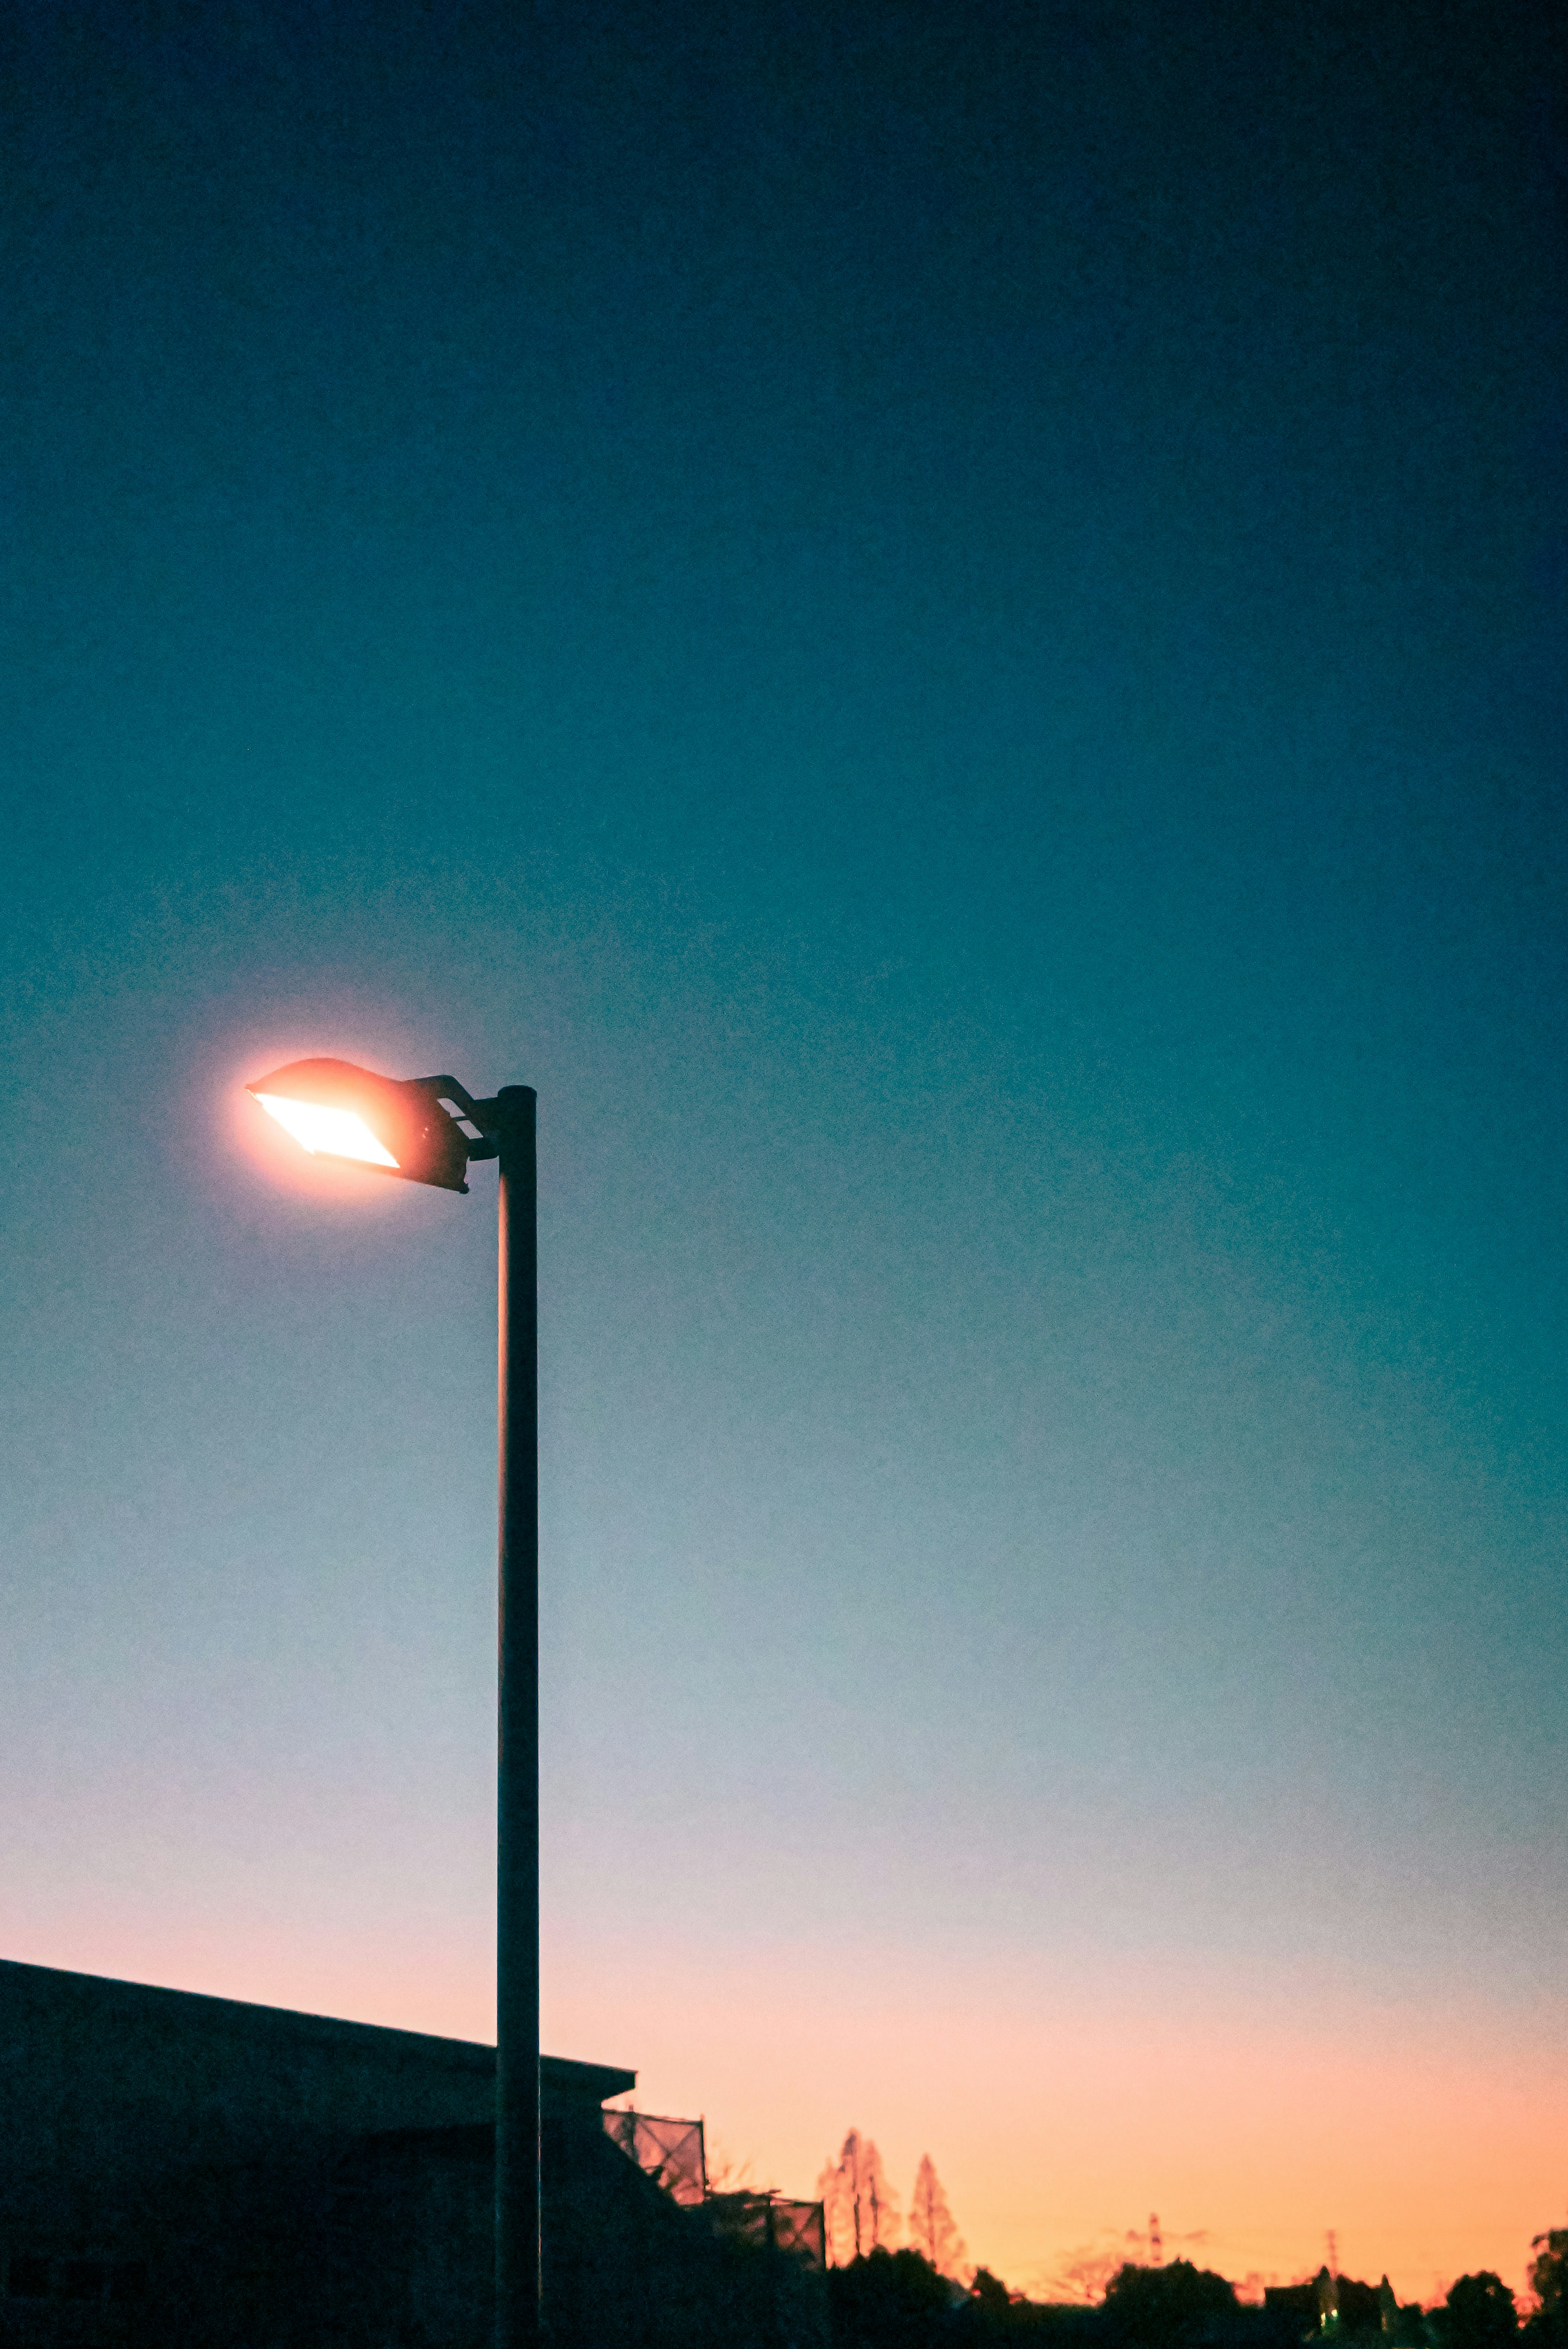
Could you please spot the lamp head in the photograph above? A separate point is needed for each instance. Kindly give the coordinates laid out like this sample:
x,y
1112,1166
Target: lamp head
x,y
395,1125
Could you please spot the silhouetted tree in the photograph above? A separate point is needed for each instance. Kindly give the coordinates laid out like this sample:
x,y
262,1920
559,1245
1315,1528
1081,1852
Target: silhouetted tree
x,y
1549,2282
1083,2275
1403,2326
1161,2308
987,2314
888,2300
1478,2314
931,2227
860,2208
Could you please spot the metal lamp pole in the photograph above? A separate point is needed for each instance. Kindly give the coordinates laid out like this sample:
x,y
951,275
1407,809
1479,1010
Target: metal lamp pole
x,y
517,2235
402,1126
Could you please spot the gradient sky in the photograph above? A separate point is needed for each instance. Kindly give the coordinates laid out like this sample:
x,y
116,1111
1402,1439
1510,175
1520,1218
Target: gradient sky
x,y
944,623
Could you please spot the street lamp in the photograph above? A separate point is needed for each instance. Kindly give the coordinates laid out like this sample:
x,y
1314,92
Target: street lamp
x,y
429,1130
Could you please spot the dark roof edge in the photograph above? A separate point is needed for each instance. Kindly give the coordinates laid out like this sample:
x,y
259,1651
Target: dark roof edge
x,y
234,2013
107,1991
564,2076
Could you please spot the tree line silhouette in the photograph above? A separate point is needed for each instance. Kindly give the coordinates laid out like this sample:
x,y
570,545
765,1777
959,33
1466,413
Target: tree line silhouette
x,y
887,2294
860,2213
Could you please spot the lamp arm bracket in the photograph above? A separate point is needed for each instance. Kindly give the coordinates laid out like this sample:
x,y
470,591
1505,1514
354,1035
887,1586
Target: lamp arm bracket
x,y
448,1089
482,1113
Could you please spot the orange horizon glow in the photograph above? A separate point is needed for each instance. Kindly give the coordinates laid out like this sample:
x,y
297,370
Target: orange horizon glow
x,y
327,1133
1059,2111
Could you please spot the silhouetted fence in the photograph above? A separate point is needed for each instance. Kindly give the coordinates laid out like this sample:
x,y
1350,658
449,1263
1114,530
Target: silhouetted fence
x,y
670,2151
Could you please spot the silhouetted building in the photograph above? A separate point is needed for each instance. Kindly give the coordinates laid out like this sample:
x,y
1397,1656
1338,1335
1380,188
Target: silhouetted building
x,y
180,2172
1296,2305
1336,2307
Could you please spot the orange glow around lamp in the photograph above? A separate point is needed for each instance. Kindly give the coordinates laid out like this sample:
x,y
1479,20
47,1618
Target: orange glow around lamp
x,y
429,1130
396,1124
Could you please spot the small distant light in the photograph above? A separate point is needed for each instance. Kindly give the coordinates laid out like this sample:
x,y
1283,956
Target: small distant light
x,y
334,1132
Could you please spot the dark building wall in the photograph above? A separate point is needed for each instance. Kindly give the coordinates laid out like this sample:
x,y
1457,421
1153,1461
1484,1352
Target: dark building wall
x,y
169,2161
173,2162
272,2181
105,2077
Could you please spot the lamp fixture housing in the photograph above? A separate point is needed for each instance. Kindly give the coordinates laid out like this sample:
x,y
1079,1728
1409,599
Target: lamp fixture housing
x,y
396,1126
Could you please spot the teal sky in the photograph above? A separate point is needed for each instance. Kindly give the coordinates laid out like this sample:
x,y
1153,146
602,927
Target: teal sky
x,y
946,626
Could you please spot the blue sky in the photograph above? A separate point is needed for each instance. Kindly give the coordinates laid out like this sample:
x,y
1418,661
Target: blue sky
x,y
945,634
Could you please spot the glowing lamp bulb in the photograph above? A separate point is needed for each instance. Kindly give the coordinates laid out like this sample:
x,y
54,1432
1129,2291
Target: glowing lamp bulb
x,y
333,1133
